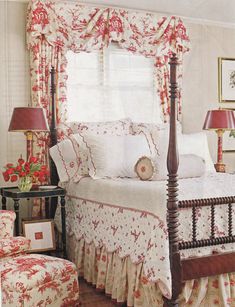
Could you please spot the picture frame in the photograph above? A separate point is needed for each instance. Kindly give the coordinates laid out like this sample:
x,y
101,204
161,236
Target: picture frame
x,y
41,233
226,79
228,140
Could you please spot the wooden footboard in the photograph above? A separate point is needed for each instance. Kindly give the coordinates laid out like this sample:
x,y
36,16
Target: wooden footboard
x,y
217,263
193,268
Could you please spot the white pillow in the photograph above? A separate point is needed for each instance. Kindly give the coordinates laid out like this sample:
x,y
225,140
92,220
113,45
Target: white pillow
x,y
65,159
77,130
190,166
157,135
115,156
196,143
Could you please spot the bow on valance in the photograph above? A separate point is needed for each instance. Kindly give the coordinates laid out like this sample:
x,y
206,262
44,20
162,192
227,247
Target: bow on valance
x,y
54,27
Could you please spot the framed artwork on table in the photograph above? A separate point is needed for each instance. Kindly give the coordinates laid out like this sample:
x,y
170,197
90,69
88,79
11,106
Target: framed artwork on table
x,y
41,233
226,78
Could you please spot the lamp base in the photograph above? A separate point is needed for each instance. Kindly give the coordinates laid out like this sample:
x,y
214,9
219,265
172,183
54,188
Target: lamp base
x,y
220,167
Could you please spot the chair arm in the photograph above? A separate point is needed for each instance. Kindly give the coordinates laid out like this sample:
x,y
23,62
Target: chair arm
x,y
13,246
7,219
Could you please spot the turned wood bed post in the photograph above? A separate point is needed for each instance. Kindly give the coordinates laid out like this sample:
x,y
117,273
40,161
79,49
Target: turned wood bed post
x,y
172,201
53,130
53,141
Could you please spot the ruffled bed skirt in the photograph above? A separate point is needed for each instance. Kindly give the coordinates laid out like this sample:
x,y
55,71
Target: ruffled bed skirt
x,y
124,281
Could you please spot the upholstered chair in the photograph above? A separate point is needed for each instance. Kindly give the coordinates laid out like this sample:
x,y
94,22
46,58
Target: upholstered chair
x,y
30,280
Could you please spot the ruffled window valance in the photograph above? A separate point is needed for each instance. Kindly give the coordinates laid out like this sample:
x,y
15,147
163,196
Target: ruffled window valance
x,y
54,27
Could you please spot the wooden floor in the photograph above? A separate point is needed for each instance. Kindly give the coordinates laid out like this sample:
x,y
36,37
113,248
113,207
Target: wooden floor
x,y
90,297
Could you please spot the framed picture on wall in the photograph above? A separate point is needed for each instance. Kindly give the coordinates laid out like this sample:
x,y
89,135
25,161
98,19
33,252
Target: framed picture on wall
x,y
226,78
229,137
229,141
41,233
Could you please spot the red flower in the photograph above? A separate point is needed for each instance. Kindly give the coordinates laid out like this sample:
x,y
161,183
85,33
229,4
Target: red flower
x,y
27,166
21,161
36,174
14,178
22,174
33,160
10,171
18,168
6,176
41,178
31,168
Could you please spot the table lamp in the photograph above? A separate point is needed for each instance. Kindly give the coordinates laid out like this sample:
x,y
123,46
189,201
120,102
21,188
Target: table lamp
x,y
28,120
219,120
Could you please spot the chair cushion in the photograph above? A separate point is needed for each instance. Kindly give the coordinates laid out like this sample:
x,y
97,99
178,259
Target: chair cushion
x,y
38,280
35,270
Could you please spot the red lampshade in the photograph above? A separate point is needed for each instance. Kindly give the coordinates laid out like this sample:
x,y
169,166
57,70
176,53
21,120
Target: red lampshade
x,y
219,119
28,119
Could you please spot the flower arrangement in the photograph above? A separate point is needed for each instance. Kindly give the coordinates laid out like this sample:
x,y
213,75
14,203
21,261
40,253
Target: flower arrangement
x,y
28,172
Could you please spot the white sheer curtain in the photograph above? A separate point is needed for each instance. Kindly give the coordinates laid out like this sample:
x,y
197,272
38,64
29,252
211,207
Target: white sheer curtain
x,y
111,84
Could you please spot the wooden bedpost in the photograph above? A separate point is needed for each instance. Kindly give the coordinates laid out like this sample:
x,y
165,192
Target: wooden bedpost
x,y
53,141
172,201
53,130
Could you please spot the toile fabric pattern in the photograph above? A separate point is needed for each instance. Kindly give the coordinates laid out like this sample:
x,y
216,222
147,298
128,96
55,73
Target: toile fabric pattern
x,y
33,280
38,280
125,281
6,223
13,246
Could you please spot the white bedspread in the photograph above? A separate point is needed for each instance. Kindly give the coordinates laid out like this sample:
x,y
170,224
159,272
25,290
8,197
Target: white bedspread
x,y
132,192
129,216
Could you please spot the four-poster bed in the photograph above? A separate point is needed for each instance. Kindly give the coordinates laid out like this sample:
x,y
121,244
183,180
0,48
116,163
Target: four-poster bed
x,y
118,243
181,269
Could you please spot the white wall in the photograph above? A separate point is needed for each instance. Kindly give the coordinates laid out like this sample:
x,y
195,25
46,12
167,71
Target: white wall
x,y
200,79
14,78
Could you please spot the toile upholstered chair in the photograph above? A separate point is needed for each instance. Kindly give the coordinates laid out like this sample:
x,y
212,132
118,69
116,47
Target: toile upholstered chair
x,y
30,280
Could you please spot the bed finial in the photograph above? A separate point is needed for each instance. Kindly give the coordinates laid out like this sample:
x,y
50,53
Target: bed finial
x,y
172,201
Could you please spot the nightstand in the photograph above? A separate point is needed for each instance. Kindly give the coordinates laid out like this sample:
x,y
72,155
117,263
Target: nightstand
x,y
15,194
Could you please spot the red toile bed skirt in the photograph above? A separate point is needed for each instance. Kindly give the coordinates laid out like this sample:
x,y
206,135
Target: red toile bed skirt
x,y
124,281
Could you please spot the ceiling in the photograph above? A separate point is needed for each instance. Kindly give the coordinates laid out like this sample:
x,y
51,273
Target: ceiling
x,y
216,11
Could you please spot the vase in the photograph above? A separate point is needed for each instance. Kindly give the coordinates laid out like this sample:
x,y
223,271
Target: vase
x,y
25,184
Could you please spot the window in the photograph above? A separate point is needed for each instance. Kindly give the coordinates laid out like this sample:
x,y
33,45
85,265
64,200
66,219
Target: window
x,y
111,84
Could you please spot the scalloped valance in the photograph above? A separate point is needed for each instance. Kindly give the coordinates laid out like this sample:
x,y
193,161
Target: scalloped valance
x,y
78,27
